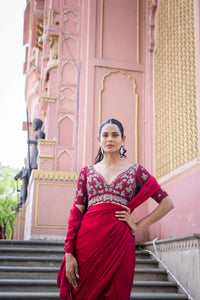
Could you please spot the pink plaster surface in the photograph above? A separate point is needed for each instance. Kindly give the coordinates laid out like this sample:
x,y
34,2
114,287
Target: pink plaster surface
x,y
184,219
87,86
51,203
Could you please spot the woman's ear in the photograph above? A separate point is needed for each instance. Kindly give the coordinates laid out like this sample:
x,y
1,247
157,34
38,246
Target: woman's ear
x,y
99,139
124,137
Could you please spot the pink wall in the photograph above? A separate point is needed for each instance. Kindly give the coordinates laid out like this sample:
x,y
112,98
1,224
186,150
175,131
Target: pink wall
x,y
101,66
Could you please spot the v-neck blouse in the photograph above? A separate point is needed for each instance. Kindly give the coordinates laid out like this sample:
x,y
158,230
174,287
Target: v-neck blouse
x,y
92,187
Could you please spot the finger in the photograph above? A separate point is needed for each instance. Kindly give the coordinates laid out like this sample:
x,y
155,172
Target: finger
x,y
74,281
128,210
76,271
121,212
71,278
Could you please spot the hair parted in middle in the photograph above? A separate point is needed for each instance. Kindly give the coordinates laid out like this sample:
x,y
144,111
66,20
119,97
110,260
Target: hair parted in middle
x,y
122,151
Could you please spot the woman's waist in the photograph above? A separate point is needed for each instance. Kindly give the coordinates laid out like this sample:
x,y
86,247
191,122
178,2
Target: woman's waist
x,y
100,220
107,198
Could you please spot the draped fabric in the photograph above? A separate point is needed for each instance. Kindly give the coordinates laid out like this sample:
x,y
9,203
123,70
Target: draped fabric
x,y
103,245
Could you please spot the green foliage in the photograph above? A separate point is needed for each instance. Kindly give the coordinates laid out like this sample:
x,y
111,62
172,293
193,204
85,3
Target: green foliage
x,y
8,200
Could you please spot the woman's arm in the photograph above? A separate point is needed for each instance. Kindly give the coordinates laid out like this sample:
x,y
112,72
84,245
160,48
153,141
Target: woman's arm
x,y
159,212
74,221
81,208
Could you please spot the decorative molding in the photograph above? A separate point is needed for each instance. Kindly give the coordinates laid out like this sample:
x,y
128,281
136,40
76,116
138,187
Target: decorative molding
x,y
46,99
101,29
75,70
45,156
60,154
73,122
46,142
55,175
153,9
65,41
37,202
54,12
136,105
75,20
63,96
53,63
171,176
138,31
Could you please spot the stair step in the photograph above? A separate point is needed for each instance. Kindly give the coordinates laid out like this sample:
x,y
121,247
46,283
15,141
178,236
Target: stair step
x,y
146,262
30,295
20,251
157,296
30,260
142,254
28,272
154,286
34,243
36,285
150,274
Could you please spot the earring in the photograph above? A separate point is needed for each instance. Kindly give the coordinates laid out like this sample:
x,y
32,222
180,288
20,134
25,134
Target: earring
x,y
121,150
102,151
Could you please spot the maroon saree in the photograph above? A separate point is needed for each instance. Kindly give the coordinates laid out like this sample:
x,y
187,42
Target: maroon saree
x,y
105,250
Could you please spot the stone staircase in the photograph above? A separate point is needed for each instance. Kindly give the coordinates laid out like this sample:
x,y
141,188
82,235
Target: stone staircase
x,y
28,270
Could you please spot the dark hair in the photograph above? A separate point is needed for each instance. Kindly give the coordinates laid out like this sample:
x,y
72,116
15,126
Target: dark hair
x,y
99,156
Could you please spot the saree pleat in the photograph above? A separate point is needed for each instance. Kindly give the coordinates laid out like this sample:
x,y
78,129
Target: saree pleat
x,y
101,247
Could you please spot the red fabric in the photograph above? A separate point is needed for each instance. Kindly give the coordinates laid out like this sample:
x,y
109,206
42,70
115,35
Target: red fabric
x,y
149,188
74,222
104,246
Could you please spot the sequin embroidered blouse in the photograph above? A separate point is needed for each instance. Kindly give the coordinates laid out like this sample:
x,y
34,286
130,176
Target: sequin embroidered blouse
x,y
92,187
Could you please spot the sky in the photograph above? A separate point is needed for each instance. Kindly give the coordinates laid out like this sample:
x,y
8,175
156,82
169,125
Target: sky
x,y
13,145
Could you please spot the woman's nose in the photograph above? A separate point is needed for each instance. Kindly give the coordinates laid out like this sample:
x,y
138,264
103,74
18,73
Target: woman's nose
x,y
110,137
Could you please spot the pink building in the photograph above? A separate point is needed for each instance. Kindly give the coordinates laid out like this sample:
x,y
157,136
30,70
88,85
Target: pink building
x,y
134,60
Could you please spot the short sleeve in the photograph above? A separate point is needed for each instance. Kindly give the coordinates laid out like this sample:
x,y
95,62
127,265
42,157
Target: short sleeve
x,y
81,190
141,176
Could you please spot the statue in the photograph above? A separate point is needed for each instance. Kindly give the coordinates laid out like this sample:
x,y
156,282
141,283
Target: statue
x,y
37,126
25,172
23,175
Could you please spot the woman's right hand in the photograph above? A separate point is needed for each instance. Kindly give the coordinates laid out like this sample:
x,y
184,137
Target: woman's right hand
x,y
72,272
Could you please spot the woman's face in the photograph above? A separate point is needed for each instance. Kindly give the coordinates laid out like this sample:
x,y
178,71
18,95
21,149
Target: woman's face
x,y
111,138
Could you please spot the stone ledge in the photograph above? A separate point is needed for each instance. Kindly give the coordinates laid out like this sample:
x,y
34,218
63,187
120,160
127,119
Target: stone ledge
x,y
54,175
191,241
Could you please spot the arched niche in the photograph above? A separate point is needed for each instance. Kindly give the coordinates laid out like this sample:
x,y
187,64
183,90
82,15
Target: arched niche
x,y
64,161
66,132
68,73
70,24
67,100
70,48
118,99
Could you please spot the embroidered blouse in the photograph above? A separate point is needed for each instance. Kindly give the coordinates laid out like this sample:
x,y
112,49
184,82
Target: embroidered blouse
x,y
92,187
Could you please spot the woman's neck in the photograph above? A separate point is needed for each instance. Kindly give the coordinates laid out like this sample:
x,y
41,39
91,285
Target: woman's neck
x,y
111,159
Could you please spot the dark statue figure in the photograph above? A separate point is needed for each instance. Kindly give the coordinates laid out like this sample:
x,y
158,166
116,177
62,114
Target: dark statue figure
x,y
37,125
25,172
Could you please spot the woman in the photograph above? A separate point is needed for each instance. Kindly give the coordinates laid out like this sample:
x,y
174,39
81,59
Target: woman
x,y
100,244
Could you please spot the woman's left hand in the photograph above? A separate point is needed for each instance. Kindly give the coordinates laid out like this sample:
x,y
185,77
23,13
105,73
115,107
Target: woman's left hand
x,y
125,216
